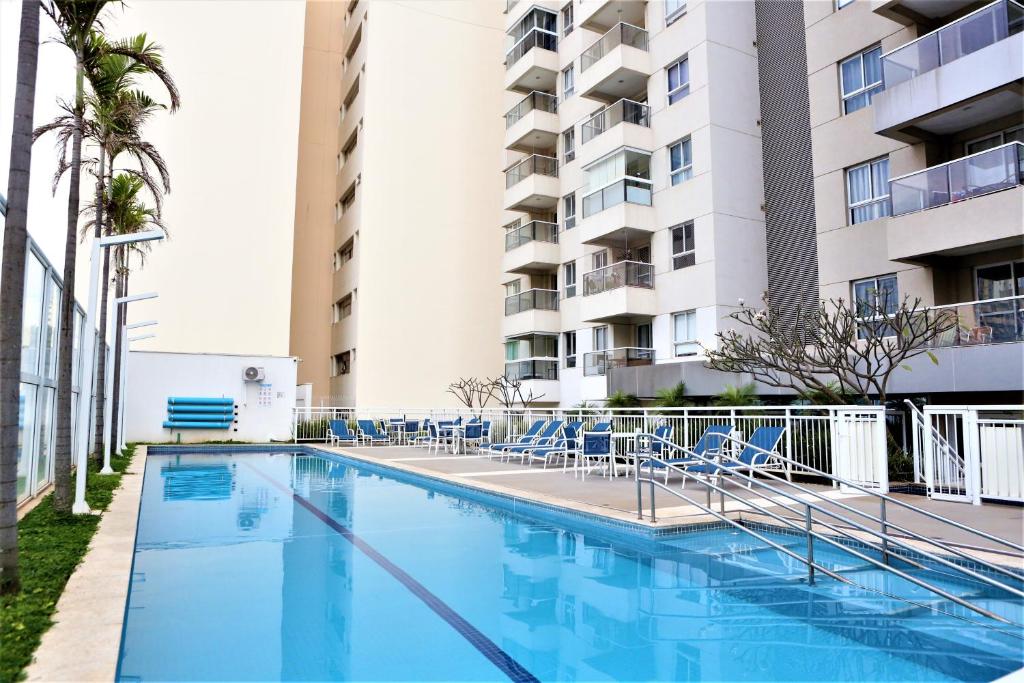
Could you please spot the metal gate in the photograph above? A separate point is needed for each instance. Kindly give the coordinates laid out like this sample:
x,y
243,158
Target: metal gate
x,y
860,447
950,453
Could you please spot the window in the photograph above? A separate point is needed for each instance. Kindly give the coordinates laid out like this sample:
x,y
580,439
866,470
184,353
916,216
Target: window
x,y
872,298
678,80
567,19
351,96
350,146
343,308
569,342
569,145
569,210
622,176
568,81
601,338
861,78
569,277
673,9
1000,281
684,334
867,191
644,336
337,210
344,255
999,139
341,363
684,253
513,288
600,259
680,161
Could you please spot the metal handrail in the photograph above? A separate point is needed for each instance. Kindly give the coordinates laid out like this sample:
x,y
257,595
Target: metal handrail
x,y
885,538
919,415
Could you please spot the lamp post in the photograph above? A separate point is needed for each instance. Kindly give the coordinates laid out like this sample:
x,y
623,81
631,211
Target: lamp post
x,y
108,394
88,349
122,406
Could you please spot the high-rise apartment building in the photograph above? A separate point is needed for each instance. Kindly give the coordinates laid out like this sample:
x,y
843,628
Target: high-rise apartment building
x,y
633,188
393,293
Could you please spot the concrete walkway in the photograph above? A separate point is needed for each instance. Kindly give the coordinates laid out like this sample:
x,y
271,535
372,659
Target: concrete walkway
x,y
84,641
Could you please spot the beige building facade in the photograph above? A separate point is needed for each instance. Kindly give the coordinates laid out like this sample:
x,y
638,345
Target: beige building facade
x,y
392,294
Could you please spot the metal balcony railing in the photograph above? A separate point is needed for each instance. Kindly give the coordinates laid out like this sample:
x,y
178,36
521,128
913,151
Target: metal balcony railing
x,y
532,299
535,37
598,362
990,321
534,231
536,100
532,368
626,190
993,170
533,164
970,33
623,111
620,34
621,274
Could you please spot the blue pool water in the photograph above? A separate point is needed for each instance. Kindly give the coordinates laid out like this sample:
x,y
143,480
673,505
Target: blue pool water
x,y
266,566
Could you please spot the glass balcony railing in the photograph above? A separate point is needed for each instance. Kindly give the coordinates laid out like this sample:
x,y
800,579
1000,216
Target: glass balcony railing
x,y
621,274
970,33
532,299
534,164
598,362
999,168
532,368
534,38
992,321
536,100
620,34
627,190
623,111
534,231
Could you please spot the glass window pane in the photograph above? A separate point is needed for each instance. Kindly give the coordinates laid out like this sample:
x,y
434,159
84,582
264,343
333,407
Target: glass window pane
x,y
995,282
852,75
880,177
45,443
859,184
33,315
888,294
873,66
50,331
26,430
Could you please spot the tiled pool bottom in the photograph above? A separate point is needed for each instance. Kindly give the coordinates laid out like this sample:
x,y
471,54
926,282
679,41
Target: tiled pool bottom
x,y
279,566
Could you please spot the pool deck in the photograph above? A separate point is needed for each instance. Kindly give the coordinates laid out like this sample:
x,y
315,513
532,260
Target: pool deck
x,y
616,498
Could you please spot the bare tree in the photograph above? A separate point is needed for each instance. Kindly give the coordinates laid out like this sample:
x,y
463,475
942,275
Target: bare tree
x,y
509,391
833,351
472,392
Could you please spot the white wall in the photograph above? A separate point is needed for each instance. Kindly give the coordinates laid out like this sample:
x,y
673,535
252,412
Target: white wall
x,y
153,377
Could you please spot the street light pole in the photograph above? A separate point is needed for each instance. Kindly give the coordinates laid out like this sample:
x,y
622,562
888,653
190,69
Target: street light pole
x,y
108,399
125,343
88,350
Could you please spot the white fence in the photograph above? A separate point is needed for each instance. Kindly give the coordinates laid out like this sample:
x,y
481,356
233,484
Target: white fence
x,y
849,442
968,453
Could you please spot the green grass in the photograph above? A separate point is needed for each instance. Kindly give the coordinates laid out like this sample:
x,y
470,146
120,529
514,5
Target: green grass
x,y
50,546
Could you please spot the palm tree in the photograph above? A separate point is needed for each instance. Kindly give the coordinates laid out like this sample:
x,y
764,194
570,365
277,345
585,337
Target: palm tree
x,y
11,294
672,397
621,399
743,395
77,21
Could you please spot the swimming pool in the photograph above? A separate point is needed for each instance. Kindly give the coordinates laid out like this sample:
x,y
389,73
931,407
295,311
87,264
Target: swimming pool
x,y
298,566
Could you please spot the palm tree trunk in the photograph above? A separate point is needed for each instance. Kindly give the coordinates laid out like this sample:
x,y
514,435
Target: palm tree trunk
x,y
62,493
12,293
105,288
115,401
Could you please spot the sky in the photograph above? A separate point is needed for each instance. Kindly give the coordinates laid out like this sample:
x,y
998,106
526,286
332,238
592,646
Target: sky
x,y
224,276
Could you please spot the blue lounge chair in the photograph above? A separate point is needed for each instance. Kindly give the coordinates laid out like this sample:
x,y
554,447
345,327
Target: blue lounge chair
x,y
597,446
423,433
473,435
368,433
709,445
338,432
760,453
564,447
528,437
545,438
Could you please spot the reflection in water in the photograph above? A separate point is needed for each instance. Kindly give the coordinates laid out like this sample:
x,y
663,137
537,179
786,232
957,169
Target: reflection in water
x,y
190,481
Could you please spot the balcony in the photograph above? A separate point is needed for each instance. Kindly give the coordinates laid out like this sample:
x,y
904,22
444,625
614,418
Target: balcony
x,y
532,63
618,214
623,124
532,368
930,208
616,65
532,183
956,77
599,362
601,15
620,292
991,321
531,311
533,123
531,248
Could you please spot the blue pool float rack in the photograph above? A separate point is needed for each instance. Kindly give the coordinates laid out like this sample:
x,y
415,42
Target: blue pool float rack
x,y
200,413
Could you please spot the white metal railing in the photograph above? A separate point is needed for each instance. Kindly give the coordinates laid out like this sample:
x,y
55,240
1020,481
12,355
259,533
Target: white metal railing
x,y
534,164
621,274
620,34
972,32
814,434
623,111
993,170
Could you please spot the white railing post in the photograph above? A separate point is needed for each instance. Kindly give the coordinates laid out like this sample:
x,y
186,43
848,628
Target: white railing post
x,y
789,442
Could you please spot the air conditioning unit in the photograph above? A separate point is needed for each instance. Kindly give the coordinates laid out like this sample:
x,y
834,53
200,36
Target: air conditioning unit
x,y
254,374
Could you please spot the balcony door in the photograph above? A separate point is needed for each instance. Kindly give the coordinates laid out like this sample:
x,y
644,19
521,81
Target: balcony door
x,y
644,337
1001,320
